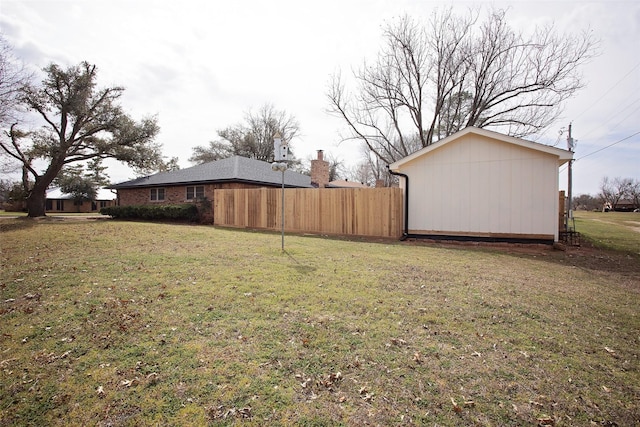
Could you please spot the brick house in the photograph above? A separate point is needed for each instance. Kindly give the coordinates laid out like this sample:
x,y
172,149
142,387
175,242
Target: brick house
x,y
58,202
199,182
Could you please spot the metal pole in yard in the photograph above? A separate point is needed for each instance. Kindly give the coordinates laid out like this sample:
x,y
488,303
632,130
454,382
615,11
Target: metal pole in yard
x,y
283,209
280,157
570,146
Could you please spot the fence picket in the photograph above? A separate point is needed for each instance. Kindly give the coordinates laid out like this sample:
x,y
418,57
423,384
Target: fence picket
x,y
374,212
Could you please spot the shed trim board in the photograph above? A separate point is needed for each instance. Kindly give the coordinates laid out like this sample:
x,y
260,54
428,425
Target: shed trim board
x,y
484,185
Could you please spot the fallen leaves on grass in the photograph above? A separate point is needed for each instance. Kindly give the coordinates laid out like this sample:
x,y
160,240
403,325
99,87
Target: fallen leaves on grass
x,y
326,381
331,379
222,413
536,404
397,342
305,381
546,421
7,361
47,358
130,383
467,403
456,408
365,394
153,378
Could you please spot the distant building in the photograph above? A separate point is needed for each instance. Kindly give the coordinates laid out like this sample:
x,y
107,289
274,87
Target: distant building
x,y
625,206
58,201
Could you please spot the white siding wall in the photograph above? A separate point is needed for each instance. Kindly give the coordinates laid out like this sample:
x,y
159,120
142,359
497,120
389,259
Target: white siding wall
x,y
483,186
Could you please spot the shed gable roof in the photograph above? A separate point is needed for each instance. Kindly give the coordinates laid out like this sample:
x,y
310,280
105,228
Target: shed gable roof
x,y
236,169
563,155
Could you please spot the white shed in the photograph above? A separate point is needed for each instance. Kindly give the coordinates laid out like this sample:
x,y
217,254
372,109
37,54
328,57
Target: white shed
x,y
482,185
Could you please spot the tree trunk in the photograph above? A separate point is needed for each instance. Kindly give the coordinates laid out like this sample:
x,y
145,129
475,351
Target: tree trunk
x,y
36,202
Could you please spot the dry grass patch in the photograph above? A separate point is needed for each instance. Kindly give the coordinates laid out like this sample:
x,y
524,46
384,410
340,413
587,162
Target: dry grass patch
x,y
619,231
124,323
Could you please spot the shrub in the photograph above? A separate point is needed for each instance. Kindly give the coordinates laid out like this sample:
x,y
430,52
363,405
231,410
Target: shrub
x,y
205,211
182,212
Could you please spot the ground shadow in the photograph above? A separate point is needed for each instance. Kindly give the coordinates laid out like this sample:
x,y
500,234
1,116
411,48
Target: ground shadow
x,y
586,256
13,224
300,268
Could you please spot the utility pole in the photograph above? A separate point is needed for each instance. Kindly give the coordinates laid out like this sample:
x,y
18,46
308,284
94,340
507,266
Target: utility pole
x,y
570,147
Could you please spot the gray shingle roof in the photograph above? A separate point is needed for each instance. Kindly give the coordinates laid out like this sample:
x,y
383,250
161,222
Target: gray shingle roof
x,y
232,169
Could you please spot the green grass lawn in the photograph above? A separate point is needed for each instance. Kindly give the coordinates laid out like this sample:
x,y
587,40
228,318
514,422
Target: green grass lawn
x,y
128,323
52,214
4,213
611,230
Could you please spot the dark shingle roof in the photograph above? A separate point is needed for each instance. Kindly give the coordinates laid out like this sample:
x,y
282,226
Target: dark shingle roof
x,y
232,169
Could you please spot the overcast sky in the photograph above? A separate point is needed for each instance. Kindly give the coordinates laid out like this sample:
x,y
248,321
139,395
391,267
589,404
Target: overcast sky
x,y
201,65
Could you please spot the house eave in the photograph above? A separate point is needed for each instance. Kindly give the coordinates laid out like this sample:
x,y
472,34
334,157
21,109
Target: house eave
x,y
206,182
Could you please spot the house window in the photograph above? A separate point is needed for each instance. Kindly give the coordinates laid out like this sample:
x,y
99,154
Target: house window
x,y
49,205
103,204
59,205
157,194
195,192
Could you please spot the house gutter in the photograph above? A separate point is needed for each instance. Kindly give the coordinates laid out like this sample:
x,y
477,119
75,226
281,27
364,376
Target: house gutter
x,y
405,232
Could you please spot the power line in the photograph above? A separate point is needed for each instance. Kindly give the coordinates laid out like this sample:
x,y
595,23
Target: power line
x,y
608,91
603,148
610,145
625,117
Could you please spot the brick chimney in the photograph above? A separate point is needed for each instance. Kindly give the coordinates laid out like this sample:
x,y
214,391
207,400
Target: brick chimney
x,y
319,171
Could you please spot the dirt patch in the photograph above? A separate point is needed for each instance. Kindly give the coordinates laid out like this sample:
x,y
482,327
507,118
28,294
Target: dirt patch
x,y
8,223
635,225
589,257
585,256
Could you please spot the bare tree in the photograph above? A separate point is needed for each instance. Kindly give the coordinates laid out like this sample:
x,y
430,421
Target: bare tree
x,y
634,193
253,138
362,172
433,79
216,150
370,170
586,202
13,77
336,167
613,191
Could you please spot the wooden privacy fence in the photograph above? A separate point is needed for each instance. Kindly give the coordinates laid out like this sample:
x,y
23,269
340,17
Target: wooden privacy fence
x,y
375,212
